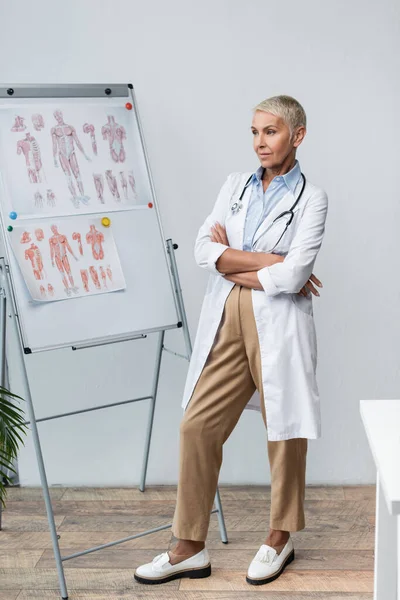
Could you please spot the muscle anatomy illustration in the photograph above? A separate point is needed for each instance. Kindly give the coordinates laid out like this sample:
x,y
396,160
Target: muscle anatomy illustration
x,y
99,185
112,184
77,237
95,277
51,198
59,247
19,124
103,276
50,289
109,272
29,147
132,183
64,139
124,184
39,234
38,199
34,255
115,134
38,122
43,291
25,238
87,128
85,279
95,238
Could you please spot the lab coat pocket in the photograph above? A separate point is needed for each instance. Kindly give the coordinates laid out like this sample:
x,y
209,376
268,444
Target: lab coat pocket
x,y
303,303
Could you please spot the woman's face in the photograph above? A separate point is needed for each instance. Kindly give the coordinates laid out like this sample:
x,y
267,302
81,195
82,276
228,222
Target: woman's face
x,y
271,137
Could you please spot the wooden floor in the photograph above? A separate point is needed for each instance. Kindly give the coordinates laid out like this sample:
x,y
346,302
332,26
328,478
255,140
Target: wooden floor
x,y
334,553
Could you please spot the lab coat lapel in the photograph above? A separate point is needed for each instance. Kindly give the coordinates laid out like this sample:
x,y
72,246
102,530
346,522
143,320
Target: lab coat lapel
x,y
240,216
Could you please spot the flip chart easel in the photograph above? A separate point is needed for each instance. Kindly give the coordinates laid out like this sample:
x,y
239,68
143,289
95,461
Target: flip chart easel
x,y
20,315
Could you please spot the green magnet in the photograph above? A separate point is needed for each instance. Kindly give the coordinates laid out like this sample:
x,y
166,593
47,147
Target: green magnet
x,y
10,228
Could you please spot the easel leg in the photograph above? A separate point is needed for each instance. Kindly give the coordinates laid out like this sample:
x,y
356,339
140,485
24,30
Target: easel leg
x,y
3,316
221,520
36,441
151,409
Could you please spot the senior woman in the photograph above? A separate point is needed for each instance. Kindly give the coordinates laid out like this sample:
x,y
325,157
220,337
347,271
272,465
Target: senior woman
x,y
255,345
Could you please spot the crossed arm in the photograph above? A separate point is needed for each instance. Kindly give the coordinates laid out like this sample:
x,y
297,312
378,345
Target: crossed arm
x,y
241,267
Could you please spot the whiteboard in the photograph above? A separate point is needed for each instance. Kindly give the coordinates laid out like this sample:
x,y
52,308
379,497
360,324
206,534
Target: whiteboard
x,y
148,303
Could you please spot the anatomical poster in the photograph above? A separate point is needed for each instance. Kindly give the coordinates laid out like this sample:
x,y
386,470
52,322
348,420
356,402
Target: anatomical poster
x,y
64,159
67,259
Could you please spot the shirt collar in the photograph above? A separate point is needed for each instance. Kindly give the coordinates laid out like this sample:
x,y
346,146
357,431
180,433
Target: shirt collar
x,y
291,178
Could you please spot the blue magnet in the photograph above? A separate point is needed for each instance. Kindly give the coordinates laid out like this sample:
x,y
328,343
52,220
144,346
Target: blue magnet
x,y
13,215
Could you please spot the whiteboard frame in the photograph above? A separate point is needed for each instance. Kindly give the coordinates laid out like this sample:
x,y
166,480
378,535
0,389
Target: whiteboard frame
x,y
39,91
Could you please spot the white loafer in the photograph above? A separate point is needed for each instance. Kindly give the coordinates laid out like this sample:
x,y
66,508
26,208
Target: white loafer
x,y
267,564
160,569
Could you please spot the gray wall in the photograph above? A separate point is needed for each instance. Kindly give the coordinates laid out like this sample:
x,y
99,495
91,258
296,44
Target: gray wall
x,y
198,69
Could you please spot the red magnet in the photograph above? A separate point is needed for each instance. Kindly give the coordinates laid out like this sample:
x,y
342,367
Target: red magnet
x,y
150,205
128,106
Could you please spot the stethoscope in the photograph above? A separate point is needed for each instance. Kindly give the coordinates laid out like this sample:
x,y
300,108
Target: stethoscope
x,y
238,205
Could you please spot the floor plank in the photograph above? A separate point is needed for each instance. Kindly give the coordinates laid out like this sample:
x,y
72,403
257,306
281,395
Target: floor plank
x,y
334,553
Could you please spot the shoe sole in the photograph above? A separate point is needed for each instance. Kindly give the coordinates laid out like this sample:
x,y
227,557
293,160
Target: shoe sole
x,y
191,573
288,560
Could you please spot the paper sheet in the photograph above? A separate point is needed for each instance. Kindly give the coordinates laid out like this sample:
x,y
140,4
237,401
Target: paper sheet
x,y
67,159
68,258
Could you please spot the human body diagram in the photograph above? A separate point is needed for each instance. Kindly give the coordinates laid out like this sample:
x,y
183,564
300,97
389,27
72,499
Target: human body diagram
x,y
95,238
59,247
88,128
115,134
112,185
30,149
34,255
64,140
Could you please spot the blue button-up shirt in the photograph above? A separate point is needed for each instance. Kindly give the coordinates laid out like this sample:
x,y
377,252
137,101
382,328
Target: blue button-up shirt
x,y
261,203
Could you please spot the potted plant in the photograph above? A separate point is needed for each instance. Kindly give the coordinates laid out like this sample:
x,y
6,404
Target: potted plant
x,y
12,425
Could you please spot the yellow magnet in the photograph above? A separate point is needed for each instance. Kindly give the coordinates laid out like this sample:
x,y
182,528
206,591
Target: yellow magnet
x,y
106,222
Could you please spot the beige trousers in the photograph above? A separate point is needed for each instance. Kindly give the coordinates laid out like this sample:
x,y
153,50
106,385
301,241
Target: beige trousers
x,y
229,378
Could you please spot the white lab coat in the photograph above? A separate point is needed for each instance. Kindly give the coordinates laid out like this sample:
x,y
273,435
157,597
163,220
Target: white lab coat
x,y
284,319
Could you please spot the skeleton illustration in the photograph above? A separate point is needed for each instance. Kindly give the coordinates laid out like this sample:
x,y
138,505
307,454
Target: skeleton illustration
x,y
77,237
58,253
38,122
19,124
109,272
112,184
38,199
95,238
85,279
115,134
50,289
95,277
99,185
103,276
39,234
51,198
64,137
25,238
124,184
87,128
132,183
34,255
43,291
29,147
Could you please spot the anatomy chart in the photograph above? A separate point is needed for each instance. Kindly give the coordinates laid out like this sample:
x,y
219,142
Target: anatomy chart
x,y
67,258
60,159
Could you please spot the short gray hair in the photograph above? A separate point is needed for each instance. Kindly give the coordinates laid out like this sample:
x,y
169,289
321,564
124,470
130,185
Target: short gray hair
x,y
286,107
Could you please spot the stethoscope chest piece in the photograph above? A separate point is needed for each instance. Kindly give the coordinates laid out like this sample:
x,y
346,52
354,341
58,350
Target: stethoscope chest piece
x,y
236,206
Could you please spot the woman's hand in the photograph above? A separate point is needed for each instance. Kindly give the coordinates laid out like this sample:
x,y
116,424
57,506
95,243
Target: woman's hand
x,y
218,234
309,286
